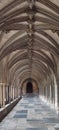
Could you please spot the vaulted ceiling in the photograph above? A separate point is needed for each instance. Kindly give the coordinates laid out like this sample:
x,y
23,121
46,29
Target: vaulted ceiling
x,y
29,37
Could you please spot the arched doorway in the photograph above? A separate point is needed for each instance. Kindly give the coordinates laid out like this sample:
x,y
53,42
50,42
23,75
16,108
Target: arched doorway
x,y
29,87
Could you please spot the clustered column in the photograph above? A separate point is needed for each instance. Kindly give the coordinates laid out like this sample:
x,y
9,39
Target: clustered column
x,y
50,92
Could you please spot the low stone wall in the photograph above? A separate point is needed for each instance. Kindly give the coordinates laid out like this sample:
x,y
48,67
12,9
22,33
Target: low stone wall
x,y
8,108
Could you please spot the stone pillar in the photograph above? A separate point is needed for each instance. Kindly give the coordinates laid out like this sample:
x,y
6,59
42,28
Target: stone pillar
x,y
17,91
56,93
46,92
52,93
7,93
57,80
39,90
1,102
42,91
4,81
13,93
3,94
20,92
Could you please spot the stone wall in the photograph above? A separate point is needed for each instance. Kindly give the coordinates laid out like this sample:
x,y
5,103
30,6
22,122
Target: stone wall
x,y
8,108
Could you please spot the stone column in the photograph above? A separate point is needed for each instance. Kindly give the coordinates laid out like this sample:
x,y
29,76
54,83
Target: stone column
x,y
57,79
56,93
17,91
3,94
1,100
13,92
52,93
7,93
20,92
46,93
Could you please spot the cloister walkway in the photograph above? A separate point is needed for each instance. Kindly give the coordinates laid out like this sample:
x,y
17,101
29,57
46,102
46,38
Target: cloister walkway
x,y
31,113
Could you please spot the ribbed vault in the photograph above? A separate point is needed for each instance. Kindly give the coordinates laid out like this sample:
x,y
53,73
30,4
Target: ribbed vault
x,y
29,33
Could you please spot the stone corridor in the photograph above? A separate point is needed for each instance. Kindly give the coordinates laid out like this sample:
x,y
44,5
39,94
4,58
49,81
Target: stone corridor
x,y
31,113
29,63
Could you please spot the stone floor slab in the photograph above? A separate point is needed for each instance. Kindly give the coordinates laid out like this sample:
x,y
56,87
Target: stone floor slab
x,y
31,113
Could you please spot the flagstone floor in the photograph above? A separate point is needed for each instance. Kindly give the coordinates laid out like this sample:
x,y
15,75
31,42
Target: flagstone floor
x,y
31,114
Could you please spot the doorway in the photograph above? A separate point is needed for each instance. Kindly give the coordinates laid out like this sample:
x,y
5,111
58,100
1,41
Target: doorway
x,y
29,88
